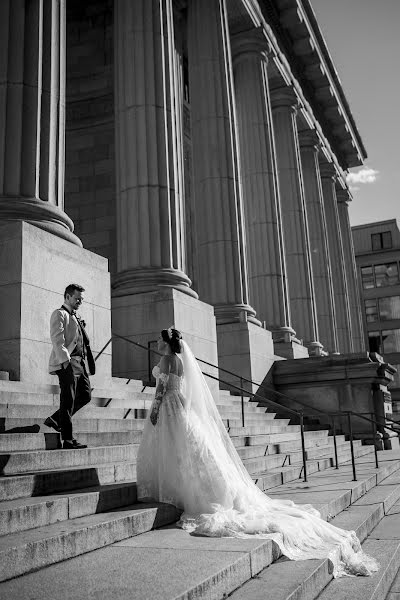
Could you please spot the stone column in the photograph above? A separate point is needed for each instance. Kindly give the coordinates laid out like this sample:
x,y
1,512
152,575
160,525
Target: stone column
x,y
149,159
294,219
320,259
151,289
223,278
267,267
335,245
32,115
343,197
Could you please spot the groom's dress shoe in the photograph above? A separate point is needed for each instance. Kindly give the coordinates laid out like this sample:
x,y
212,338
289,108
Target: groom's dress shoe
x,y
49,422
74,445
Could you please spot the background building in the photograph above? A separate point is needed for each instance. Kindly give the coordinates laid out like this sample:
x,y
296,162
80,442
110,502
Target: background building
x,y
377,249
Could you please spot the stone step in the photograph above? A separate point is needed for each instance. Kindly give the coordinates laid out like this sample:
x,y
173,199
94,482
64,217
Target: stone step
x,y
32,425
14,463
250,430
32,549
23,442
32,411
257,421
29,513
308,580
292,448
189,567
248,408
286,437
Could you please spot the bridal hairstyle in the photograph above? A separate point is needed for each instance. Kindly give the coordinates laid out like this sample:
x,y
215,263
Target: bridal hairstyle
x,y
172,337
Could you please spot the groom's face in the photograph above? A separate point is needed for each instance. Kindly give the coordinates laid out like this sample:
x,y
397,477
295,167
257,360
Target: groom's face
x,y
75,300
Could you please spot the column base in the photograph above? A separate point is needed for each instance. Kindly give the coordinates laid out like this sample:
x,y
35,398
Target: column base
x,y
39,213
246,350
142,316
139,281
235,313
316,349
35,268
292,349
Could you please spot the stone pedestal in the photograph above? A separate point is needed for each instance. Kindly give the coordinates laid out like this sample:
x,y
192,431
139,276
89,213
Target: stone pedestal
x,y
35,268
338,383
246,350
141,317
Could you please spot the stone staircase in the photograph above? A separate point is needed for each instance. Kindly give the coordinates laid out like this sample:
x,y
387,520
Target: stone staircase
x,y
57,505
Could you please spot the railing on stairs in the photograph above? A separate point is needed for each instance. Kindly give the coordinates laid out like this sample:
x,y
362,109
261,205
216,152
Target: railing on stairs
x,y
300,414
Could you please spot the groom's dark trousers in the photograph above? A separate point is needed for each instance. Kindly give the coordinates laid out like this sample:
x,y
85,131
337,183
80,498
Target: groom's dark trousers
x,y
75,392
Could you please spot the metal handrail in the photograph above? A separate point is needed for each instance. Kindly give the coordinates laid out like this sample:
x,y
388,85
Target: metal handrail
x,y
261,400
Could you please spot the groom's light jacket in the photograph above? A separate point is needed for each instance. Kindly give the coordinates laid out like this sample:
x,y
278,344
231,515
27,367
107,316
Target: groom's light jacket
x,y
64,335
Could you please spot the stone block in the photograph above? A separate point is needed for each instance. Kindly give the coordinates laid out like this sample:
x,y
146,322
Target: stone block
x,y
35,267
141,317
246,350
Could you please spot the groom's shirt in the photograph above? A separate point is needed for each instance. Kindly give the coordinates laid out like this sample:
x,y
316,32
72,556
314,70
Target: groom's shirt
x,y
66,338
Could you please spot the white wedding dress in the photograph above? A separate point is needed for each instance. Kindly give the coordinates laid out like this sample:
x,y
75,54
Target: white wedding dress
x,y
187,459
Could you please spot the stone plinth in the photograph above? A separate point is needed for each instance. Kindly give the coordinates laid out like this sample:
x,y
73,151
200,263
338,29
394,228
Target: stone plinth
x,y
141,317
247,350
35,268
292,349
339,383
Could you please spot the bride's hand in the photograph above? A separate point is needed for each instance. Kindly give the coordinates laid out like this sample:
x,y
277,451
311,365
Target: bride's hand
x,y
154,416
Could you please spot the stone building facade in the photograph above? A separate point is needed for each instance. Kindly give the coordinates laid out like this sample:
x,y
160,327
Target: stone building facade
x,y
201,148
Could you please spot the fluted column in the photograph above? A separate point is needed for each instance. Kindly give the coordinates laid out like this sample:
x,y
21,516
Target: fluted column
x,y
223,278
335,245
294,218
149,149
267,268
320,259
343,197
32,114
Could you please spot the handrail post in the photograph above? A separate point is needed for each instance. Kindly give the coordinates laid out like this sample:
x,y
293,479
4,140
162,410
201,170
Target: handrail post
x,y
334,441
353,461
242,398
303,446
374,438
148,362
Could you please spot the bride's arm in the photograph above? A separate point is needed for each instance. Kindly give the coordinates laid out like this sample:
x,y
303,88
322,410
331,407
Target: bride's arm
x,y
165,368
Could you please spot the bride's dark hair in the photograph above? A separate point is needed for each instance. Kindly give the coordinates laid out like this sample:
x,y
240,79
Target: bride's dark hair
x,y
172,337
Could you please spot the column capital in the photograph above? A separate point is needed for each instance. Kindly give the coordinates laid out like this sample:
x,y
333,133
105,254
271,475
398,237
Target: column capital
x,y
251,42
343,194
284,98
328,171
308,138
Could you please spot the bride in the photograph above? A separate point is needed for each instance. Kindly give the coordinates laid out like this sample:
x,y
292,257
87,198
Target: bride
x,y
186,458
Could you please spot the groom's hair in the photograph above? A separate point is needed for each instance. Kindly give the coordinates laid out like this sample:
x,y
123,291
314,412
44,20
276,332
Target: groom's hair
x,y
70,289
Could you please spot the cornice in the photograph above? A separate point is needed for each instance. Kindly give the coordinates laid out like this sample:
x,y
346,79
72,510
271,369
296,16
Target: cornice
x,y
302,60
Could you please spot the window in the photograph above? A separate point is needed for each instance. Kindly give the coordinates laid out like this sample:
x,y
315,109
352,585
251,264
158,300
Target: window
x,y
374,338
371,310
389,308
381,241
387,274
367,278
391,340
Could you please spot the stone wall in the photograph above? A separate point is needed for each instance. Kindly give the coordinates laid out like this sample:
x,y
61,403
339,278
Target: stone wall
x,y
90,161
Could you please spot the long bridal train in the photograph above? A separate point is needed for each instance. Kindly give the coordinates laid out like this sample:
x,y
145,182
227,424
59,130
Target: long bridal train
x,y
187,459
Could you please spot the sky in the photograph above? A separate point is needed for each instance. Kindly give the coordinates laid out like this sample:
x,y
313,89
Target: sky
x,y
363,38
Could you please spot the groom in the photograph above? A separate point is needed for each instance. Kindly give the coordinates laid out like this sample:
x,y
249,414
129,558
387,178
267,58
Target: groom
x,y
67,360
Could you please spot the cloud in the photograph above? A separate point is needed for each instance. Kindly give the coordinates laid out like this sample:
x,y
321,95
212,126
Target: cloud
x,y
364,175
